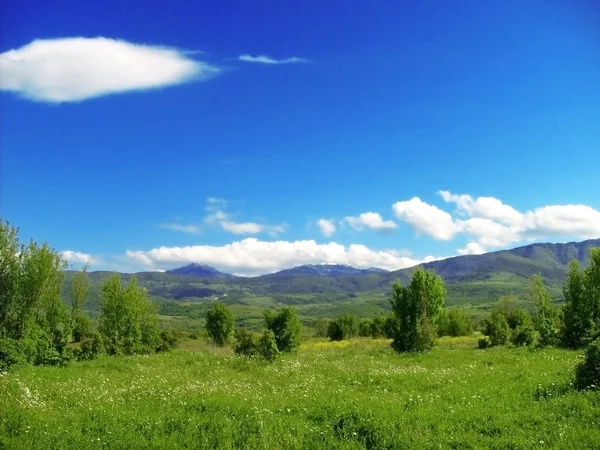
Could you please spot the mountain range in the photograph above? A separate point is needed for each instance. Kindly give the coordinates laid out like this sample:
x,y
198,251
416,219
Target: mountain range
x,y
472,281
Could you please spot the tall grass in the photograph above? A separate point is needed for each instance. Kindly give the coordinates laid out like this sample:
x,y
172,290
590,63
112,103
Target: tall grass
x,y
356,394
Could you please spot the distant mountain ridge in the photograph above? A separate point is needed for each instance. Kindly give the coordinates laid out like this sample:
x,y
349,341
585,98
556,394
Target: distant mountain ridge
x,y
198,270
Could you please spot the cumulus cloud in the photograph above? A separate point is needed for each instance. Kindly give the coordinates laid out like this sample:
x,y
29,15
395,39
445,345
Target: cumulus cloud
x,y
426,218
190,229
492,224
372,221
251,256
78,68
78,257
326,226
264,59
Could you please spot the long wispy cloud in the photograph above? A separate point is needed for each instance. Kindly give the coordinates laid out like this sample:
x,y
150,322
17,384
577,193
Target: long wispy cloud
x,y
251,256
264,59
78,68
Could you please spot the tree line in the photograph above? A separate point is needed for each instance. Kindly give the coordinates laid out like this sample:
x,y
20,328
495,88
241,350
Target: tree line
x,y
38,326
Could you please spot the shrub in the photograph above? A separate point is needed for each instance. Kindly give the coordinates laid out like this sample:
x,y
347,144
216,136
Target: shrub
x,y
378,326
219,324
364,328
10,354
286,327
320,327
497,329
168,340
267,346
343,327
391,326
546,313
91,347
454,323
587,373
82,327
245,343
484,342
523,335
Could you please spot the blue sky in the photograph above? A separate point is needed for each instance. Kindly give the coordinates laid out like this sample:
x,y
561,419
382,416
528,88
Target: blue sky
x,y
255,137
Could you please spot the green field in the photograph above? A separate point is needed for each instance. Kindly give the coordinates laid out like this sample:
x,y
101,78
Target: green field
x,y
349,394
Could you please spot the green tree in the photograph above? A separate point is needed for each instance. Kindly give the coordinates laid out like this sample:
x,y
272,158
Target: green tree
x,y
267,346
286,327
343,327
80,322
417,307
581,312
219,324
454,323
497,329
11,255
587,373
128,322
546,313
245,343
378,326
364,327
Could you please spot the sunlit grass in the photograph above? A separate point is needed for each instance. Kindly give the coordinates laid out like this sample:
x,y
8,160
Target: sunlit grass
x,y
348,394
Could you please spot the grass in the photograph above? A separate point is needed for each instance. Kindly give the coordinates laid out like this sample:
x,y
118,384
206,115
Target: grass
x,y
350,394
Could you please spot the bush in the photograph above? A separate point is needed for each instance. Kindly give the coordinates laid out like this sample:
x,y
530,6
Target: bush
x,y
320,327
378,326
364,328
497,329
10,354
219,324
82,327
267,346
286,327
454,323
484,342
587,373
391,326
245,343
91,347
343,327
168,340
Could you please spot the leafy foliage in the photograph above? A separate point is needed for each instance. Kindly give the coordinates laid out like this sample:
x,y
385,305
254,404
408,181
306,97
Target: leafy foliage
x,y
286,327
267,346
343,327
417,307
496,328
128,321
546,315
454,323
587,373
581,313
245,343
219,324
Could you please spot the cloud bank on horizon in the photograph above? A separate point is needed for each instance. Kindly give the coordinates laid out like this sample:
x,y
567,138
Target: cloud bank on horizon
x,y
488,223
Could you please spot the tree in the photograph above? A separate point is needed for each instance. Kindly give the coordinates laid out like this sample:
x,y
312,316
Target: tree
x,y
11,254
378,326
343,327
219,324
80,322
497,329
286,327
267,346
364,327
128,321
417,307
587,373
581,312
546,314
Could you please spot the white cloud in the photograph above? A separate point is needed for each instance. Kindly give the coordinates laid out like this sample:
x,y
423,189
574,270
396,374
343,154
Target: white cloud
x,y
190,229
251,256
78,257
326,226
264,59
371,220
485,207
426,218
219,217
492,224
472,248
78,68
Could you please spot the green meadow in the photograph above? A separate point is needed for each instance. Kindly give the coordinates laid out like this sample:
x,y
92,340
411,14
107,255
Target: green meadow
x,y
348,395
